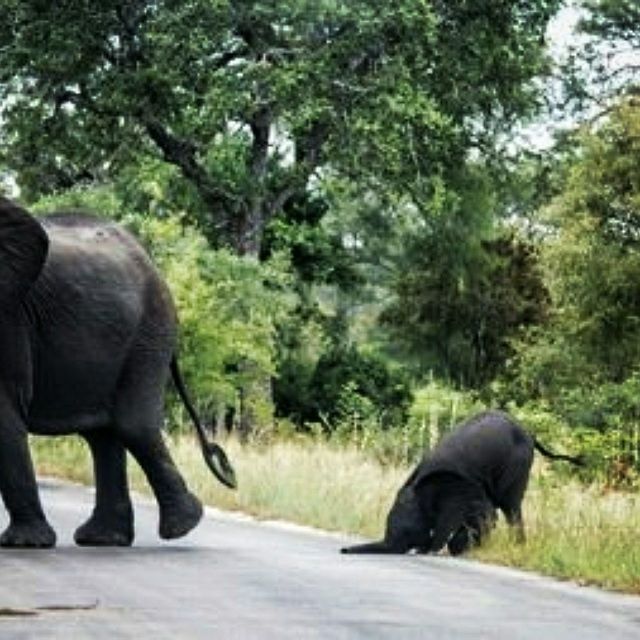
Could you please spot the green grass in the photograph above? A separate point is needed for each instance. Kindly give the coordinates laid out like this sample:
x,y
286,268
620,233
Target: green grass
x,y
581,533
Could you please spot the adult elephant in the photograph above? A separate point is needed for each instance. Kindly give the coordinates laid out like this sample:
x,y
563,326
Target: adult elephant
x,y
452,496
87,342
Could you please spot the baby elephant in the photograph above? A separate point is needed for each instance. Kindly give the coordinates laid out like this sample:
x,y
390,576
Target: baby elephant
x,y
452,496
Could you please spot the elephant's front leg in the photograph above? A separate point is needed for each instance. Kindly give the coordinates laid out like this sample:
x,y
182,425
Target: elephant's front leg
x,y
111,523
449,520
28,526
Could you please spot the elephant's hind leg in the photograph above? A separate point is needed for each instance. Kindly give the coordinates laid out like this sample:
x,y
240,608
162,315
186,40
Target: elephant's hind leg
x,y
513,514
511,494
139,418
180,510
111,523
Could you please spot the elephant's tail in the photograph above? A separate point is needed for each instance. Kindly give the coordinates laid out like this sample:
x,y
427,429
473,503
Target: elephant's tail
x,y
214,455
577,460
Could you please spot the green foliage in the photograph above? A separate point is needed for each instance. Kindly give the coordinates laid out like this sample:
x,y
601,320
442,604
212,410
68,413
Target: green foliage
x,y
437,408
465,288
317,251
101,201
592,262
434,410
228,306
602,66
606,420
582,367
250,101
615,19
601,424
349,386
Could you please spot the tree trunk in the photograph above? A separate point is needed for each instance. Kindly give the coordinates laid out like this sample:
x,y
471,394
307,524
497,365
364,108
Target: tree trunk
x,y
247,231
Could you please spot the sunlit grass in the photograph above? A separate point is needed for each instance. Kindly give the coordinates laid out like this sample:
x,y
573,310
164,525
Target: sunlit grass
x,y
309,483
575,532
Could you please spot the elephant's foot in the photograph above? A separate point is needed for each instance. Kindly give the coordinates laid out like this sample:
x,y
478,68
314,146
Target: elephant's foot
x,y
179,517
111,530
32,535
460,541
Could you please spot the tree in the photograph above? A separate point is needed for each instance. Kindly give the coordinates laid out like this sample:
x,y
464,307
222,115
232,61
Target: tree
x,y
592,254
603,66
252,102
583,365
613,20
468,287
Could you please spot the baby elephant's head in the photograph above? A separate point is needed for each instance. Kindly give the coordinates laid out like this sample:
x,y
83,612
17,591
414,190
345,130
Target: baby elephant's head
x,y
407,527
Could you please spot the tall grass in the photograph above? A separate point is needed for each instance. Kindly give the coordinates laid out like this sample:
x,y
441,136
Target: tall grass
x,y
583,533
305,481
588,534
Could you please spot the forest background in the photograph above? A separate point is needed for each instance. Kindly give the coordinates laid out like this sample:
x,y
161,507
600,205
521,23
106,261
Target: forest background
x,y
376,218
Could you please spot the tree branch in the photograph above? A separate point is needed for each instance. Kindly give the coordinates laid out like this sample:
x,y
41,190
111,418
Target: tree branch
x,y
260,125
182,154
308,158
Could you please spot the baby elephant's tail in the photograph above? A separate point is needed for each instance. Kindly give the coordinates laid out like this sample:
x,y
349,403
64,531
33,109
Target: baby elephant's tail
x,y
577,460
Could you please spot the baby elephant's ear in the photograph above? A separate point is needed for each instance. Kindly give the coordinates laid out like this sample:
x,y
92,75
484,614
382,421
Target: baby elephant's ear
x,y
23,250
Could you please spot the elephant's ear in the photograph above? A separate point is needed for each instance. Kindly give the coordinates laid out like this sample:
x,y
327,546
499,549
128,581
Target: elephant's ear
x,y
437,486
23,250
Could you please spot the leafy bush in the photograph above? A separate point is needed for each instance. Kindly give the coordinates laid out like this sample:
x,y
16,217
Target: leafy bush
x,y
435,409
606,419
600,423
100,201
228,308
350,386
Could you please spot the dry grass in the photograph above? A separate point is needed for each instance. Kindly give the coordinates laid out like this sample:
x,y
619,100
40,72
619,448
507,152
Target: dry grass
x,y
584,534
309,483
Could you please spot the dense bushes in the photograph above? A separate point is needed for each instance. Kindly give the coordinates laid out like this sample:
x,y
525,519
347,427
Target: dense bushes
x,y
350,385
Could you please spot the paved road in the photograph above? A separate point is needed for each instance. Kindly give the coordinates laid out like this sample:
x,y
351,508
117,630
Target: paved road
x,y
233,578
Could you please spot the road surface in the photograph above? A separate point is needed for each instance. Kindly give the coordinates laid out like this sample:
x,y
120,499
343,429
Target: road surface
x,y
234,578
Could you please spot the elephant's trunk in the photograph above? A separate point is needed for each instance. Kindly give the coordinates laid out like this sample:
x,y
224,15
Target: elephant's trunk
x,y
381,546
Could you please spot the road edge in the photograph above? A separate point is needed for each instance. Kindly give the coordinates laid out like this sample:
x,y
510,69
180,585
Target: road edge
x,y
568,587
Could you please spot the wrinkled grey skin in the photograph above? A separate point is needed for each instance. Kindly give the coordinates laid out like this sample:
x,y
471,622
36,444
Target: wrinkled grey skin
x,y
452,496
87,338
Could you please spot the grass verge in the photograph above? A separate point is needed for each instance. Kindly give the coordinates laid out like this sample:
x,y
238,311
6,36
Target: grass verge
x,y
574,532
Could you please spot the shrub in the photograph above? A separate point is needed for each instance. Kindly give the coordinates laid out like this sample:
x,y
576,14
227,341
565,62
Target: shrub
x,y
350,386
228,307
